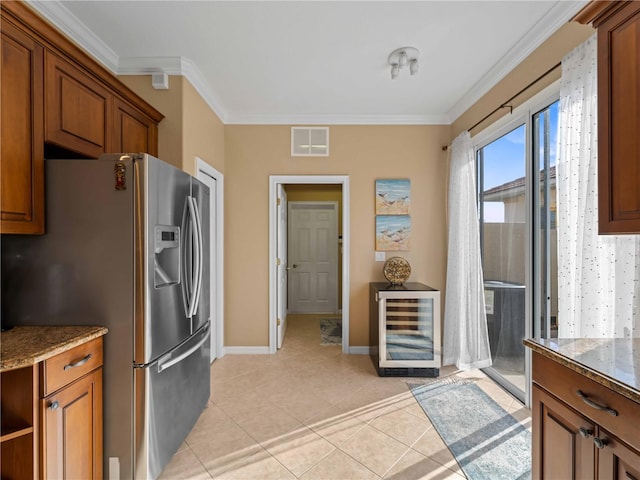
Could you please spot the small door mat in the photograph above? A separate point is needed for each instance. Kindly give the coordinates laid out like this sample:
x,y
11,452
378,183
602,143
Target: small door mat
x,y
487,442
330,331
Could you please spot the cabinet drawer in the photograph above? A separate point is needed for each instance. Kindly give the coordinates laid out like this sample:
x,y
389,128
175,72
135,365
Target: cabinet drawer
x,y
564,384
63,369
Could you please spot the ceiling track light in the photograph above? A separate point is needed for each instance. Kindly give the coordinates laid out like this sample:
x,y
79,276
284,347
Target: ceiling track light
x,y
402,57
395,70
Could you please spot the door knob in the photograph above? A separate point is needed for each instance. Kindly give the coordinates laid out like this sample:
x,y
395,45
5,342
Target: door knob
x,y
292,266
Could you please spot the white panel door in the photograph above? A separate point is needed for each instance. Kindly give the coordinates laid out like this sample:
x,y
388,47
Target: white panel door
x,y
282,264
313,257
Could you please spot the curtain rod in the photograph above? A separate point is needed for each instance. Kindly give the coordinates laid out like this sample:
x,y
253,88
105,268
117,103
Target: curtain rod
x,y
505,103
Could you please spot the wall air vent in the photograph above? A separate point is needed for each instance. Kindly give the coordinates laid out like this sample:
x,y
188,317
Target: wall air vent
x,y
309,141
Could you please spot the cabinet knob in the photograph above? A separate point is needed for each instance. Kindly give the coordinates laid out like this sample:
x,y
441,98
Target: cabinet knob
x,y
600,442
585,432
54,405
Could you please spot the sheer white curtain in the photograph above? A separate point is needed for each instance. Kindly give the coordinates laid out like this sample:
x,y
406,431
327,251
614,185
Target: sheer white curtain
x,y
466,341
598,276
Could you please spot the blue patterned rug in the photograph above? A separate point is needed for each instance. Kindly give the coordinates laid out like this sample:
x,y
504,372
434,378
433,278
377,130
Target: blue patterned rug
x,y
330,331
487,442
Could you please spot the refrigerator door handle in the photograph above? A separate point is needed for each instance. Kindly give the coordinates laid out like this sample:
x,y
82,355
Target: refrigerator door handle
x,y
167,361
199,257
186,261
196,264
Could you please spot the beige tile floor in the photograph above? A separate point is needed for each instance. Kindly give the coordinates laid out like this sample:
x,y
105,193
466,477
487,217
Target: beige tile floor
x,y
313,413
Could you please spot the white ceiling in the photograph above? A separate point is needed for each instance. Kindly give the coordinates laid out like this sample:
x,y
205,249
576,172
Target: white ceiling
x,y
296,62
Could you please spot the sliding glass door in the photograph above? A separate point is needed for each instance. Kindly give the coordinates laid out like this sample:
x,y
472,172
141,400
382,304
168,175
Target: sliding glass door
x,y
517,210
502,166
545,304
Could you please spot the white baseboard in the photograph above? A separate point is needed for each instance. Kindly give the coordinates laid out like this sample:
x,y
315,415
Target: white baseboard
x,y
246,350
359,350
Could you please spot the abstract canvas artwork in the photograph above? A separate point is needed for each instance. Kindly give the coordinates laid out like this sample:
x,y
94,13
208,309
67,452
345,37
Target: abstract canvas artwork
x,y
393,233
393,196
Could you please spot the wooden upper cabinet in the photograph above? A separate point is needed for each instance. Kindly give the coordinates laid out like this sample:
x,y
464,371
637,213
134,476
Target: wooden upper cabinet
x,y
133,132
619,118
56,99
21,134
77,109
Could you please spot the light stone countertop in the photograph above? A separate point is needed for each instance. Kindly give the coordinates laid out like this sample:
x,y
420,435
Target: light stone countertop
x,y
25,346
612,362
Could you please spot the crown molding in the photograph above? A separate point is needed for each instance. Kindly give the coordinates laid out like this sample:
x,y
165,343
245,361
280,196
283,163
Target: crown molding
x,y
174,66
77,31
561,13
149,65
69,24
294,119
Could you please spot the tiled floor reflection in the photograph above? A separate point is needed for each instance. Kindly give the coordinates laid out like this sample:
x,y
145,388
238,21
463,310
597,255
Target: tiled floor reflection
x,y
311,412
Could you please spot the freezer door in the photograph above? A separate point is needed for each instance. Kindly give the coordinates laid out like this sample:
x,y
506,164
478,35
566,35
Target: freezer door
x,y
170,394
202,311
161,321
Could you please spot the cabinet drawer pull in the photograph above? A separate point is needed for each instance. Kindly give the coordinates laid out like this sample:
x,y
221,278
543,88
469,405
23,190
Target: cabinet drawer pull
x,y
600,442
593,404
78,363
54,405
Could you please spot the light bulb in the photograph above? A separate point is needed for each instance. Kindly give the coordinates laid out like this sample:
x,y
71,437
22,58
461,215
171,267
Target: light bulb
x,y
413,66
403,59
395,70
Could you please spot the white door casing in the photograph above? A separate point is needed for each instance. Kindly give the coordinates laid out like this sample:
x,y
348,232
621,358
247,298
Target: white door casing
x,y
215,181
282,264
274,181
313,257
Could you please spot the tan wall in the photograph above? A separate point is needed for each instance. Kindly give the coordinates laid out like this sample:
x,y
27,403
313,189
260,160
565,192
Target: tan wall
x,y
203,134
190,128
365,153
169,103
547,55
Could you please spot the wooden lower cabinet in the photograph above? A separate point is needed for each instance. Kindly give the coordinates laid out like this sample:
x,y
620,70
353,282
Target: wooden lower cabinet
x,y
563,440
19,423
72,430
575,434
616,459
51,417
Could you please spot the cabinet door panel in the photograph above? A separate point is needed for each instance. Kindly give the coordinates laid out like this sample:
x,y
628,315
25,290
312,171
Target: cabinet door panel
x,y
617,460
72,430
619,121
559,449
22,165
133,131
77,109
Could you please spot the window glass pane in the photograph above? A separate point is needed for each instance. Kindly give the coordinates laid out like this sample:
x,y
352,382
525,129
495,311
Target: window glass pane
x,y
545,134
503,216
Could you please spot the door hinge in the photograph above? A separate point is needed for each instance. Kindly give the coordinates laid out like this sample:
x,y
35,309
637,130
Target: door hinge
x,y
278,322
278,261
278,202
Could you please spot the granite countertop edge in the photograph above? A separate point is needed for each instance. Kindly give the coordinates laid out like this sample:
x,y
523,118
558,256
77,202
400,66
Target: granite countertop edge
x,y
598,377
24,346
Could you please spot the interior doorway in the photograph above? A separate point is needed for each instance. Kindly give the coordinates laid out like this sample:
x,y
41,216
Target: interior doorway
x,y
283,189
215,181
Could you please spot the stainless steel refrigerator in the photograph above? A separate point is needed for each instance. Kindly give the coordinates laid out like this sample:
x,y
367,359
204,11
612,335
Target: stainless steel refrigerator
x,y
126,247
